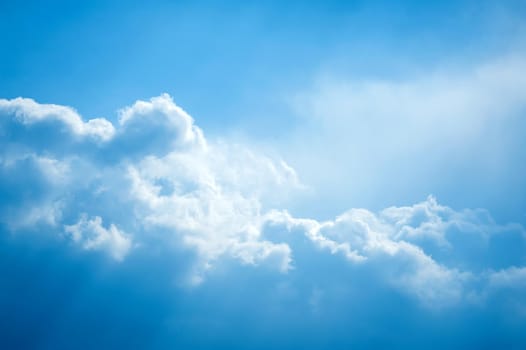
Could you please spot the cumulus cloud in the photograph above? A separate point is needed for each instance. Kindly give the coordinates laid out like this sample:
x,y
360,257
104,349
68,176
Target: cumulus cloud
x,y
428,250
156,127
153,171
154,177
213,198
28,113
91,235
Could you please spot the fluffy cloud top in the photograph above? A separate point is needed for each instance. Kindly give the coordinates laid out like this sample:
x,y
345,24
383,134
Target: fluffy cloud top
x,y
29,113
92,235
431,251
154,171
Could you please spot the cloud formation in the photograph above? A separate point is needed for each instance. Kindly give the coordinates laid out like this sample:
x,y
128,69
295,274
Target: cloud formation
x,y
155,180
431,251
28,113
90,234
154,170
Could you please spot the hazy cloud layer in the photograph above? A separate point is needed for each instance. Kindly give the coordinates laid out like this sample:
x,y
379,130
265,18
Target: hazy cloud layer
x,y
444,130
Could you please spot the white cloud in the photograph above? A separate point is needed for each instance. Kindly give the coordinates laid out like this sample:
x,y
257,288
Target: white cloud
x,y
512,277
91,235
213,200
155,175
392,243
450,129
28,112
434,105
161,112
157,167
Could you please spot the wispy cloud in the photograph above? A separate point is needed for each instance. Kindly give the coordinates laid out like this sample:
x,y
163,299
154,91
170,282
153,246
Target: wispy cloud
x,y
450,128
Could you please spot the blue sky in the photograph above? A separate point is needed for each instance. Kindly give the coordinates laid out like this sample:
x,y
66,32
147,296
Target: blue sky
x,y
252,175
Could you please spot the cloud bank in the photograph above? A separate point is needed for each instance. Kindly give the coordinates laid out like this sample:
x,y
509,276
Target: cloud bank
x,y
154,181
